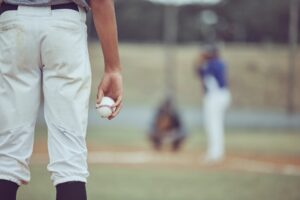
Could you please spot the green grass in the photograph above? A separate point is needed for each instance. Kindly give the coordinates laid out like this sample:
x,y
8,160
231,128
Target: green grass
x,y
123,183
120,182
269,142
122,137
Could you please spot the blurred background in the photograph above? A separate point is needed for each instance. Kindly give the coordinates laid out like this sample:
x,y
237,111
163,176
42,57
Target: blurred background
x,y
159,43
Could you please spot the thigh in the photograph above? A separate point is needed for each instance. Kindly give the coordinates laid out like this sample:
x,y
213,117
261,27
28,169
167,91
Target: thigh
x,y
20,75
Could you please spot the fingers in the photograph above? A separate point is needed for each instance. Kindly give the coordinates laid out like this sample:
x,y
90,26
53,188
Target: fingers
x,y
117,108
118,102
116,112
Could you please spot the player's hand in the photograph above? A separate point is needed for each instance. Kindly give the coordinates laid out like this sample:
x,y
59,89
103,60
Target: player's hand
x,y
111,85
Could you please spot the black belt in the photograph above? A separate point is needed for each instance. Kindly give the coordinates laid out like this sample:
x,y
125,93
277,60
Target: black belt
x,y
6,7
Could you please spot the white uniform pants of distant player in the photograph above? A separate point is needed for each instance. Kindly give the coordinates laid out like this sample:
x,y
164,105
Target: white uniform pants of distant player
x,y
43,53
216,102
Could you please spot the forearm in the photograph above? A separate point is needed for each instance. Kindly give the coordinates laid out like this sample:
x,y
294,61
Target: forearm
x,y
105,23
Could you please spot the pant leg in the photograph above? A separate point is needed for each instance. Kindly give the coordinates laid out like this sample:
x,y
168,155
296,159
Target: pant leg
x,y
214,125
20,88
66,86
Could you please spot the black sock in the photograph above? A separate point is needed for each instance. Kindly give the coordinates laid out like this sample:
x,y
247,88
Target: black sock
x,y
8,190
74,190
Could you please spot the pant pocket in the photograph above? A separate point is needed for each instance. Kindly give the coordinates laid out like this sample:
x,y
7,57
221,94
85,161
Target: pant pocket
x,y
10,35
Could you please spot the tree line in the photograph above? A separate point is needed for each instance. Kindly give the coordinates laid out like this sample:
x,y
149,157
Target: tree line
x,y
238,20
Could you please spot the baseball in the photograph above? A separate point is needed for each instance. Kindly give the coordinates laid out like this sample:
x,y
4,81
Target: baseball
x,y
105,107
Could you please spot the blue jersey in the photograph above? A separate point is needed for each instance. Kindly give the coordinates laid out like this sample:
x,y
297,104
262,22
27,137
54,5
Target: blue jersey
x,y
216,69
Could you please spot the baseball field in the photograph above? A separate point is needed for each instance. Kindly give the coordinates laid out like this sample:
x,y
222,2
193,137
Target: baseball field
x,y
261,164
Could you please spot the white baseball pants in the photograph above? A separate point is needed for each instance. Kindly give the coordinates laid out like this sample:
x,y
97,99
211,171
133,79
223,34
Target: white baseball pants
x,y
44,55
215,105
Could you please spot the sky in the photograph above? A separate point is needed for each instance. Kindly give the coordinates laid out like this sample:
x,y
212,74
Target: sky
x,y
183,2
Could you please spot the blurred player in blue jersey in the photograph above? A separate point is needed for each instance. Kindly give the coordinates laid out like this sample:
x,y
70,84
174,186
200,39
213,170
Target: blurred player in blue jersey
x,y
213,75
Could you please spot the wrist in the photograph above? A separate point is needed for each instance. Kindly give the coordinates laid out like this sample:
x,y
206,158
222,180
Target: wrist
x,y
113,69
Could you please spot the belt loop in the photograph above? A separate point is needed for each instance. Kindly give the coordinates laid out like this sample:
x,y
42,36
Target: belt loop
x,y
82,14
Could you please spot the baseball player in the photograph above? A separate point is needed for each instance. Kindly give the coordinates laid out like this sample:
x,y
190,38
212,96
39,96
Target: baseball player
x,y
43,53
212,72
167,127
